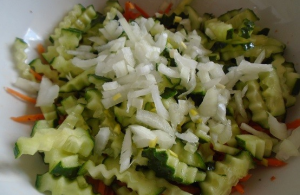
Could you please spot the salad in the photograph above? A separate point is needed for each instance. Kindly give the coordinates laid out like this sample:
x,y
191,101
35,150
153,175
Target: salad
x,y
172,104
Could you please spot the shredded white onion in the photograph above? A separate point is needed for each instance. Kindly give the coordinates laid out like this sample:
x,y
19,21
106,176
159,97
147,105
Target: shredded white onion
x,y
277,129
48,92
154,120
188,136
26,85
126,151
142,135
101,140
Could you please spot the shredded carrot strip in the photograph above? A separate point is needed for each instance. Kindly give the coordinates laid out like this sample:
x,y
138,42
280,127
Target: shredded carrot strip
x,y
273,162
40,48
28,118
239,188
36,75
246,178
139,9
101,187
168,9
272,178
129,14
294,124
20,95
129,6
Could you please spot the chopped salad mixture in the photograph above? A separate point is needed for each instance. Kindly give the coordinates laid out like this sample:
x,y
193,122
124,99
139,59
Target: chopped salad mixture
x,y
174,104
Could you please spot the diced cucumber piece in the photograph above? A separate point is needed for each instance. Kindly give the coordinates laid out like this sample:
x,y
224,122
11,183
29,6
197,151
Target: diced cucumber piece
x,y
62,163
228,15
271,92
253,144
73,141
225,149
194,17
60,185
79,82
238,19
192,159
218,30
112,4
256,104
39,125
20,56
226,174
166,165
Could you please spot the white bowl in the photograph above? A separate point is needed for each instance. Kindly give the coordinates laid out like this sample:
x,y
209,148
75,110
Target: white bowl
x,y
34,20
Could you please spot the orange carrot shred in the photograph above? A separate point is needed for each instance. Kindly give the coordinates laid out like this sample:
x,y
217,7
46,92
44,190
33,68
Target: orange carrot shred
x,y
40,48
168,9
101,187
36,75
294,124
273,162
239,188
139,9
129,5
20,95
129,14
246,178
28,118
272,178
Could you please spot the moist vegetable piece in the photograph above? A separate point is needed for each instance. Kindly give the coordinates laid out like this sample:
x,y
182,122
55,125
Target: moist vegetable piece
x,y
147,105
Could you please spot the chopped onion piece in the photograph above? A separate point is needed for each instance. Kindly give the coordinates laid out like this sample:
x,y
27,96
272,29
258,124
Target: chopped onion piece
x,y
286,150
253,131
128,30
26,85
183,61
260,57
239,104
154,120
244,90
142,135
128,56
161,110
110,85
48,92
126,151
164,140
101,140
209,105
161,41
226,134
277,129
188,136
120,69
84,64
176,114
252,68
162,68
111,30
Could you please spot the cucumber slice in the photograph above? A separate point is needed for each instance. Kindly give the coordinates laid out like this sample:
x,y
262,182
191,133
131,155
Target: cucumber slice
x,y
166,165
60,185
226,174
192,159
253,144
217,30
238,19
39,125
271,92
